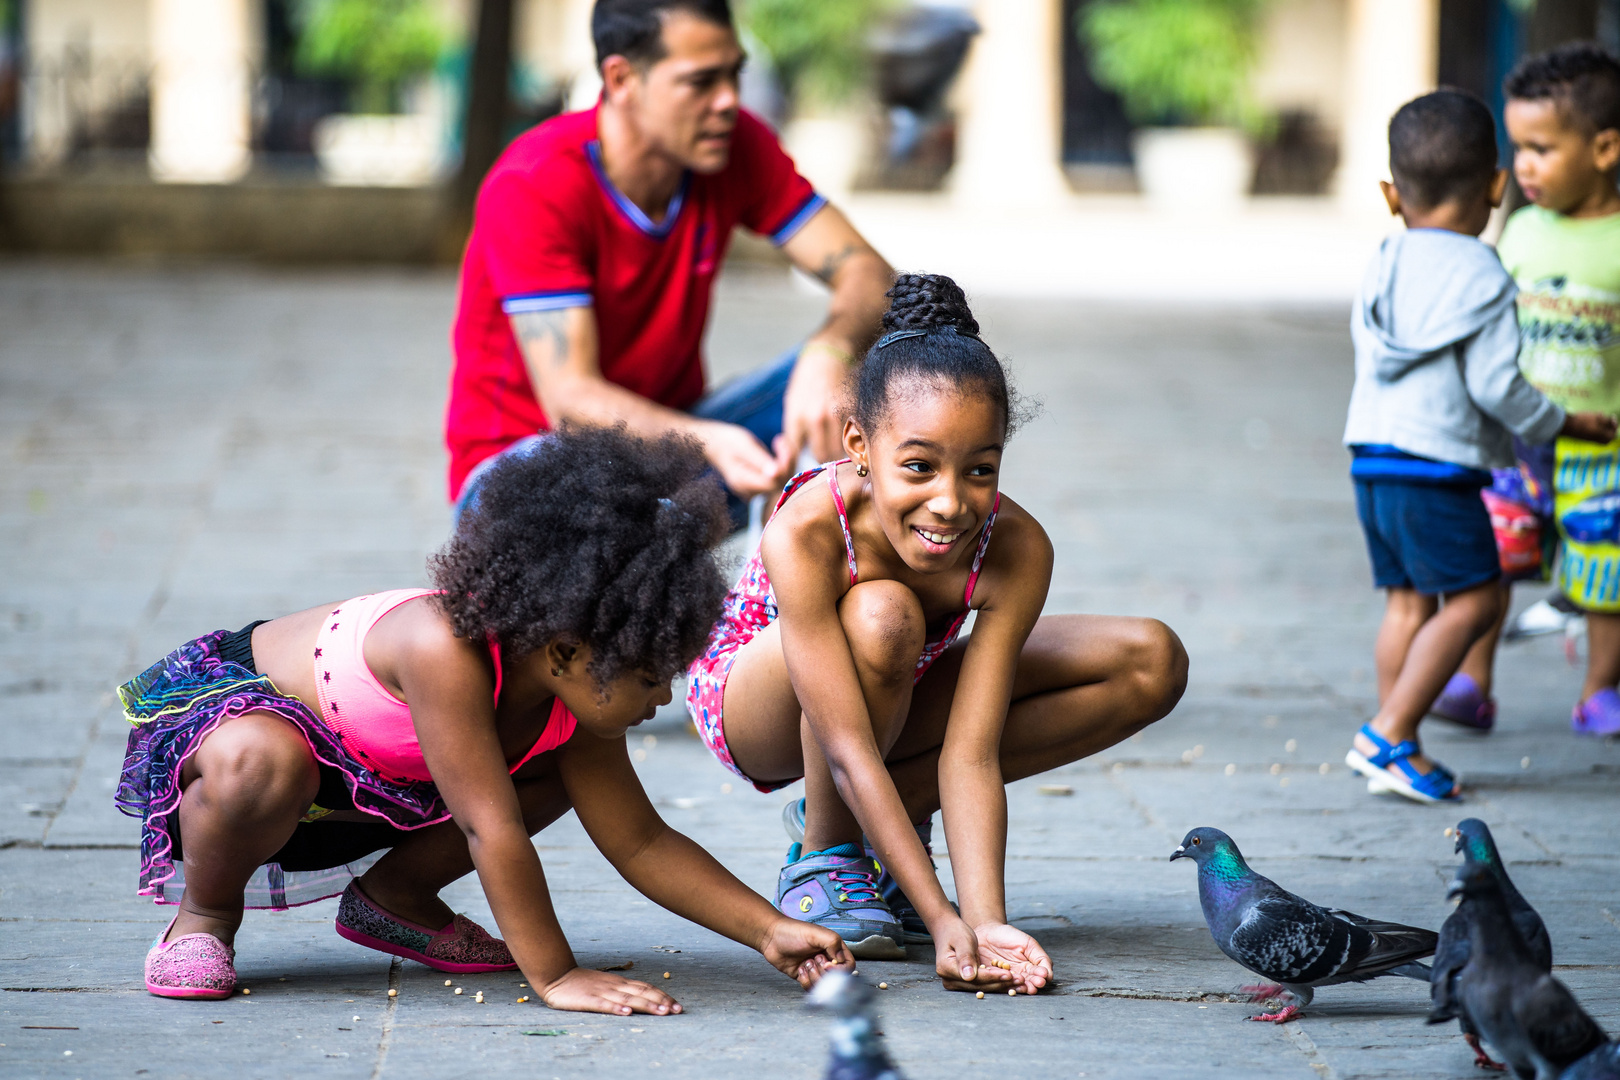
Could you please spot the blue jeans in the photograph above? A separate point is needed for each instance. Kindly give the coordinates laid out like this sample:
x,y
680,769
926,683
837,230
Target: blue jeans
x,y
753,401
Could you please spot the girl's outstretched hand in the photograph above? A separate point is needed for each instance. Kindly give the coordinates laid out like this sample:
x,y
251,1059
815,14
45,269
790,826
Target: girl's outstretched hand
x,y
804,951
1028,966
585,990
957,959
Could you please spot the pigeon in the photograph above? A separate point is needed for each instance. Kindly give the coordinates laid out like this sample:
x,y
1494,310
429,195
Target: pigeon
x,y
1290,940
1531,1018
1601,1064
857,1045
1475,842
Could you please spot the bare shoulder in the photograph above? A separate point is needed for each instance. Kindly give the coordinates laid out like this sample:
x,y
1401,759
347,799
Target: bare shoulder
x,y
1017,538
804,535
1018,560
415,645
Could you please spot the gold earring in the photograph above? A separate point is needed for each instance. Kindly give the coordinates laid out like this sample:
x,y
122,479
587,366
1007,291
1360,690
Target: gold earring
x,y
860,468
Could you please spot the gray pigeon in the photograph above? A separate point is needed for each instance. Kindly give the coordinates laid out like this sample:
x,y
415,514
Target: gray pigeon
x,y
1530,1018
857,1045
1601,1064
1475,843
1290,940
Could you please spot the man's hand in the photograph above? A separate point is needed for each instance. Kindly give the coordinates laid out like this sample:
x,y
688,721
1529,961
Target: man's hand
x,y
742,461
812,408
1587,426
829,248
804,951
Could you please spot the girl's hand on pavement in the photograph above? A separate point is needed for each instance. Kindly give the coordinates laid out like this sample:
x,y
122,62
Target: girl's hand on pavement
x,y
804,951
584,990
1031,968
956,953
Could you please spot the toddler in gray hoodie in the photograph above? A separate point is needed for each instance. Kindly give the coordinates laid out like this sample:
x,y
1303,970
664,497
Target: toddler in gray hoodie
x,y
1437,399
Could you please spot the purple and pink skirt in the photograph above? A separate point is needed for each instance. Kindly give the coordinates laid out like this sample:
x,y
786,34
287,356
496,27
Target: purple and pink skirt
x,y
177,703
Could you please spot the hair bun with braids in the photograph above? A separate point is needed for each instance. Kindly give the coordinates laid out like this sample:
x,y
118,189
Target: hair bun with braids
x,y
931,337
928,302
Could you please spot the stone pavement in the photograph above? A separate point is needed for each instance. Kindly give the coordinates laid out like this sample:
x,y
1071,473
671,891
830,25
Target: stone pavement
x,y
190,448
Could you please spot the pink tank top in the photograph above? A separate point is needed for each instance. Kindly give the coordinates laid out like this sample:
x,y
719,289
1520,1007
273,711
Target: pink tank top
x,y
374,725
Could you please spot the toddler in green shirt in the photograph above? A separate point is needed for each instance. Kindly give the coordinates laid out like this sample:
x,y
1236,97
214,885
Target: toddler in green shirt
x,y
1563,115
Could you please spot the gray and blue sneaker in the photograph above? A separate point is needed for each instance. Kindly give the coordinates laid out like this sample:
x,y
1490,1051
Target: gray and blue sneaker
x,y
837,889
913,930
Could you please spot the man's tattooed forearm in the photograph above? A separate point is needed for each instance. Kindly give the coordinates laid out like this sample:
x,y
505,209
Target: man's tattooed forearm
x,y
535,328
830,265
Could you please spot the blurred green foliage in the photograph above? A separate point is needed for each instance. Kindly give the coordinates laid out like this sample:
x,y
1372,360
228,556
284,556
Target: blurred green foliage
x,y
379,45
818,47
1175,61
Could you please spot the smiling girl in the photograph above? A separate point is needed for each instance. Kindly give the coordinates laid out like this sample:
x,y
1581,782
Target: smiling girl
x,y
838,657
446,727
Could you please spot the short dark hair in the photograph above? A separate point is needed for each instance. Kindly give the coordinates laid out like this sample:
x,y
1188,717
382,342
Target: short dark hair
x,y
944,347
597,538
1442,146
634,29
1581,77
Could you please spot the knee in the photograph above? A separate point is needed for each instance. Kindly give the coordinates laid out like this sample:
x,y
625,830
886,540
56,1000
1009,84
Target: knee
x,y
883,621
1156,667
259,766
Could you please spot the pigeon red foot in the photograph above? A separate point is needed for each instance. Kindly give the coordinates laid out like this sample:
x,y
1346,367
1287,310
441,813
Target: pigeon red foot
x,y
1482,1060
1281,1016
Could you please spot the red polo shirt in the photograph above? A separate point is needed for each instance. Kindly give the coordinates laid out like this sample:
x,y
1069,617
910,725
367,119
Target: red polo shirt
x,y
551,231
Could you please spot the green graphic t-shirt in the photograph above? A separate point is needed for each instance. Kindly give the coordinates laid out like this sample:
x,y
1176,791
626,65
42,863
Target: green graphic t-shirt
x,y
1568,272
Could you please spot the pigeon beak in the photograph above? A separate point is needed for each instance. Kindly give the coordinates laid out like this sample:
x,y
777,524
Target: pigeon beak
x,y
1179,853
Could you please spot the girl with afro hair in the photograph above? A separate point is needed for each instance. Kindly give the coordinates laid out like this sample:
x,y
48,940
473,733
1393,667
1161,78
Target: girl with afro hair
x,y
447,726
838,658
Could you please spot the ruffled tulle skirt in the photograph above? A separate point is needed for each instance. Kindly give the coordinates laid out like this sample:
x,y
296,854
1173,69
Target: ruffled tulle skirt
x,y
175,704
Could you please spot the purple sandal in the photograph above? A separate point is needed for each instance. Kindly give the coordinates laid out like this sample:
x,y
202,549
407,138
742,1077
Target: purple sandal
x,y
1598,714
191,966
462,948
1462,703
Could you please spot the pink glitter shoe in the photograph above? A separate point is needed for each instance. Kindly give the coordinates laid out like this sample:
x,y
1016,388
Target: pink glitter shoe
x,y
462,948
190,966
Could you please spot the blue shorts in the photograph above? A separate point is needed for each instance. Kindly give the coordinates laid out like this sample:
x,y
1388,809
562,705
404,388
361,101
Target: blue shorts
x,y
1434,538
753,401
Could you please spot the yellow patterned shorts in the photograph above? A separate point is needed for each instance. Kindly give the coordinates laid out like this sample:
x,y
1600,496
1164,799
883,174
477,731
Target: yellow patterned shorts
x,y
1586,504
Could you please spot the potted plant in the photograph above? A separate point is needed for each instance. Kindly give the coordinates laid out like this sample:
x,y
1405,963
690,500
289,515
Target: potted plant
x,y
817,50
1182,69
385,49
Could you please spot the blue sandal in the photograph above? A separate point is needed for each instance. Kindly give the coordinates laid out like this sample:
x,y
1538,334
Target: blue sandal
x,y
1431,787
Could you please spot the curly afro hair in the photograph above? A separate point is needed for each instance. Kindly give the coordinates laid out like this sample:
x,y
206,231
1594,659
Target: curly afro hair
x,y
597,538
944,347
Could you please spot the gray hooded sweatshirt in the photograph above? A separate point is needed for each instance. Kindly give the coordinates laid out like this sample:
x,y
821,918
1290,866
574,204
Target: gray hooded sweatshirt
x,y
1437,355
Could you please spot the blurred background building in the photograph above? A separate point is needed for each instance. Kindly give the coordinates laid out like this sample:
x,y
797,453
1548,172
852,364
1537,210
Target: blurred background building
x,y
357,129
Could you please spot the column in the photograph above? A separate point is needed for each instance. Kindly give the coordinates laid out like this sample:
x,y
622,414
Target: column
x,y
1393,54
203,53
1009,112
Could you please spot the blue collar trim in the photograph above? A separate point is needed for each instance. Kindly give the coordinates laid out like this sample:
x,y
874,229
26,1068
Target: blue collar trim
x,y
631,212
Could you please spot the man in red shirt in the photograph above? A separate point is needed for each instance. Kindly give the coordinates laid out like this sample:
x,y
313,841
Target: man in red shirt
x,y
586,282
